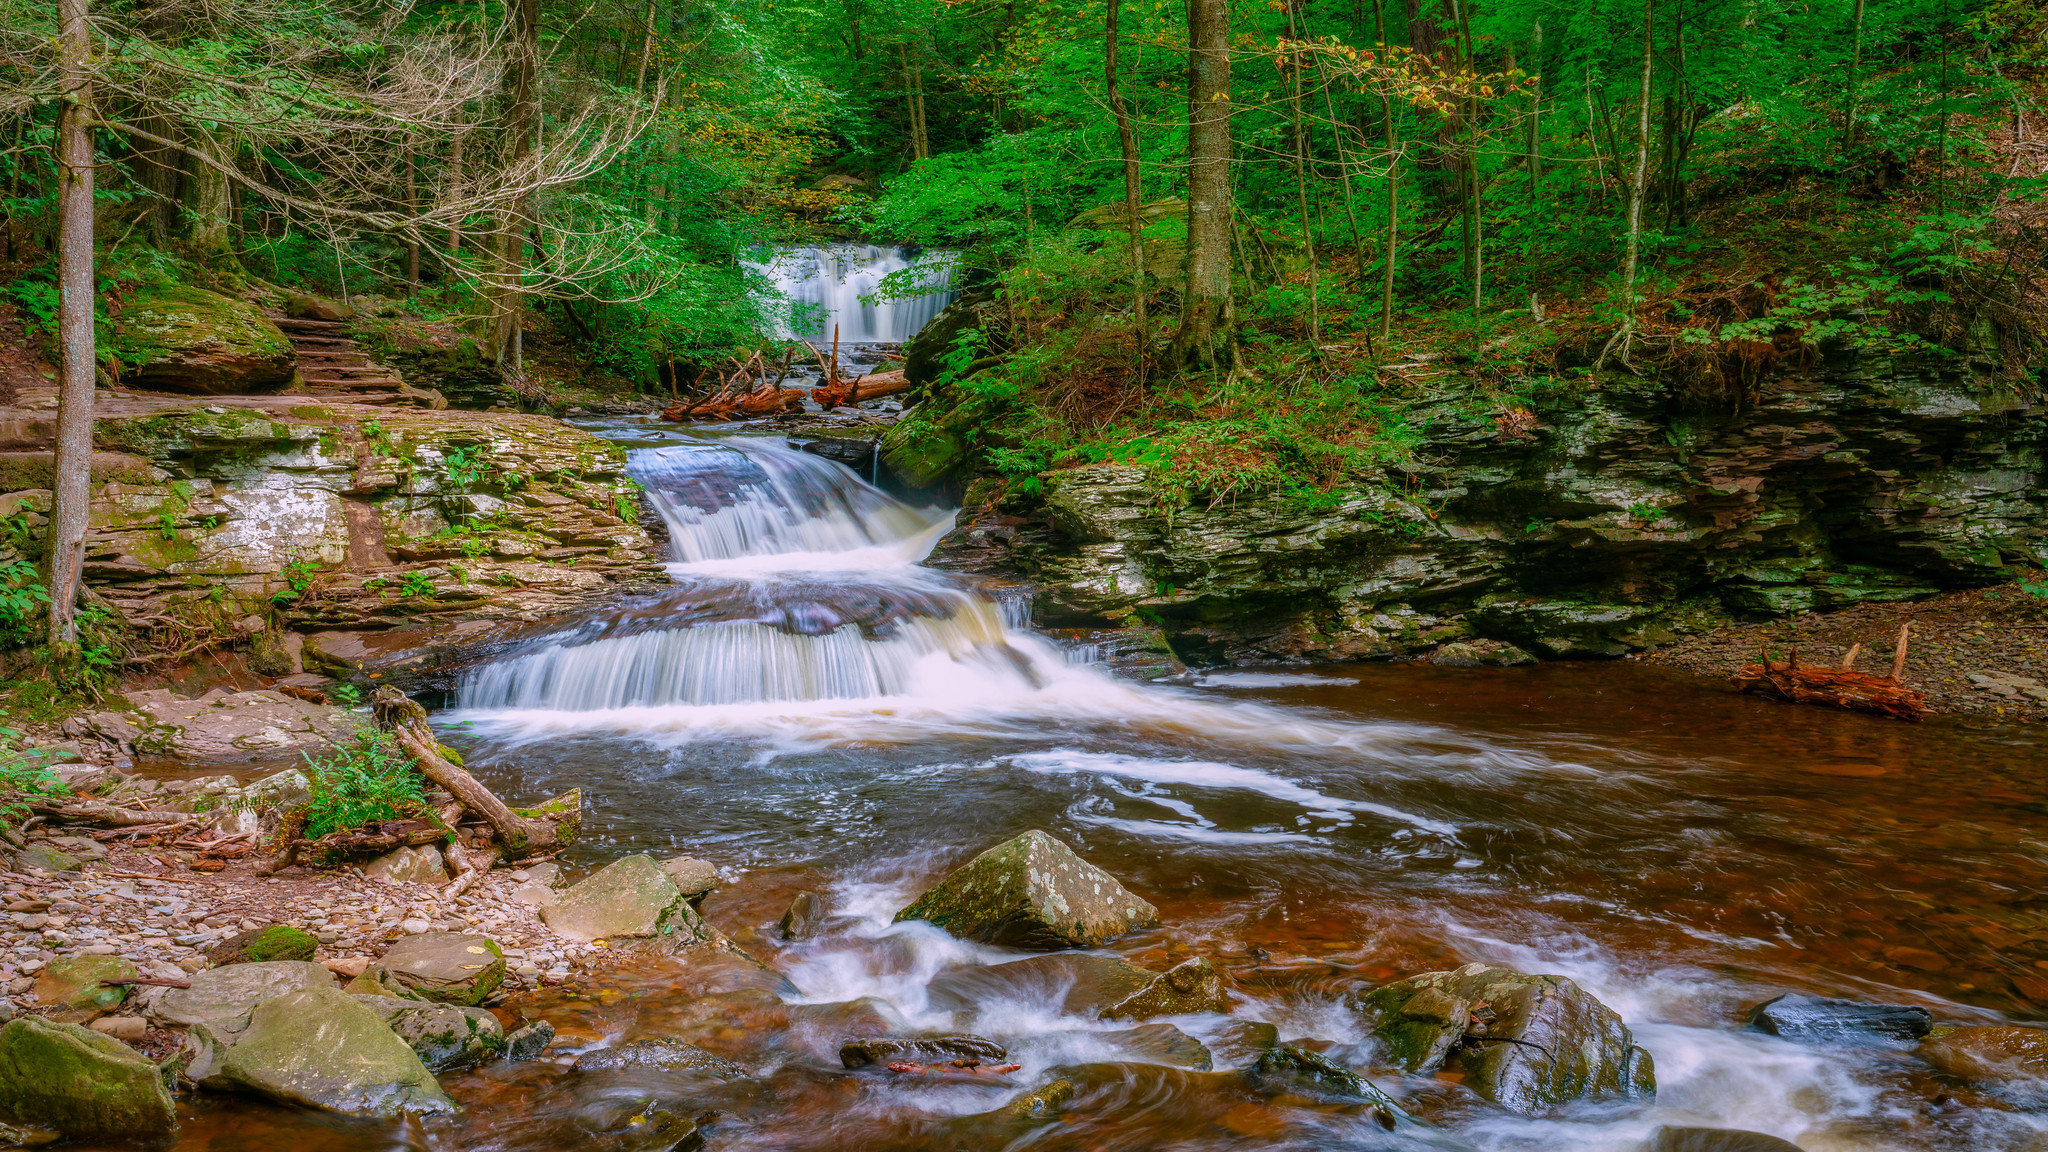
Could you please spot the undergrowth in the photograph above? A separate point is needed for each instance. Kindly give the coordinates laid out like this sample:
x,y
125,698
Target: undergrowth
x,y
368,778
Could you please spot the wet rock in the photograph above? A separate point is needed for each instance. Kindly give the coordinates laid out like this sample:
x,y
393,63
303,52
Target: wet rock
x,y
28,1135
444,1037
806,912
128,1029
1815,1020
421,865
1991,1052
277,942
83,1084
694,878
177,338
72,986
1161,1044
660,1056
43,858
630,897
1032,892
1527,1043
1084,985
1241,1043
451,967
320,1048
1291,1071
1479,654
1041,1103
920,1049
221,994
529,1042
1669,1139
1188,987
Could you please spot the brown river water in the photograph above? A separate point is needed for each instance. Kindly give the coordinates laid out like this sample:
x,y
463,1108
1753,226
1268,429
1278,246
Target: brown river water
x,y
1683,852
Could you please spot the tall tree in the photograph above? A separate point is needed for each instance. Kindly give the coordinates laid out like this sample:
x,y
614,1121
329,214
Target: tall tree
x,y
71,506
522,122
1134,182
1206,338
1638,184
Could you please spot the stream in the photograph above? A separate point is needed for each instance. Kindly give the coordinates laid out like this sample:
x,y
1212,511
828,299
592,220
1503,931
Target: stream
x,y
812,710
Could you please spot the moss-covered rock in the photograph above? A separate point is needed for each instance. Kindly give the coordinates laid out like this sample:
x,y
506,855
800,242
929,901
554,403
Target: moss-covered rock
x,y
43,858
277,942
186,339
320,1048
444,1036
79,1082
1032,892
451,967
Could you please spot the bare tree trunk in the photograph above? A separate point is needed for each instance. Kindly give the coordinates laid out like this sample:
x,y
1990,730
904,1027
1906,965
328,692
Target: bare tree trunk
x,y
204,204
1636,188
412,238
1205,338
1301,157
1536,114
1389,242
512,236
1134,185
646,50
924,135
1855,83
452,189
71,508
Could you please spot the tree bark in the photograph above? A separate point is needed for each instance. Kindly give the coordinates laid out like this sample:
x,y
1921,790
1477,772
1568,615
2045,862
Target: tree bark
x,y
71,506
1388,243
525,113
203,204
407,723
646,50
1637,186
1301,174
1205,338
1134,184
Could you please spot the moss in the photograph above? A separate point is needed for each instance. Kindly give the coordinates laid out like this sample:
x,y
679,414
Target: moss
x,y
80,1082
277,942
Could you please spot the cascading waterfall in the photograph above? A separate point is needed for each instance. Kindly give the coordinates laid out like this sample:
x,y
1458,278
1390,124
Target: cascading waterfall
x,y
834,278
798,581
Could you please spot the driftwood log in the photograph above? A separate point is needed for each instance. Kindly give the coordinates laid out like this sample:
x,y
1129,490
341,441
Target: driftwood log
x,y
407,723
103,813
1842,687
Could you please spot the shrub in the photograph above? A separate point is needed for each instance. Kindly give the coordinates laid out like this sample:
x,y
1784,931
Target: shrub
x,y
24,778
368,778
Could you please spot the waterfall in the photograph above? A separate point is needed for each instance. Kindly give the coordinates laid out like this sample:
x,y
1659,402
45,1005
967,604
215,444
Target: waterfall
x,y
835,277
796,581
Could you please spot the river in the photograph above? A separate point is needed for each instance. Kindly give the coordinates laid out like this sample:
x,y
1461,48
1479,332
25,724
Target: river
x,y
844,721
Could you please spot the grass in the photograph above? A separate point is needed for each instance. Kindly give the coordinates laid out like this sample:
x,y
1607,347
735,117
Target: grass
x,y
368,778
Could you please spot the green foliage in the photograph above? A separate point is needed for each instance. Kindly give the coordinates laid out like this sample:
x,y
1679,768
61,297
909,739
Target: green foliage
x,y
416,584
25,778
298,577
346,694
367,778
22,599
465,467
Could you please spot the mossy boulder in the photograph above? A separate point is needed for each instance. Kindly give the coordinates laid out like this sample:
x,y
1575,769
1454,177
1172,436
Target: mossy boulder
x,y
43,858
79,1082
277,942
185,339
444,1036
322,1048
450,967
1032,892
1527,1043
73,985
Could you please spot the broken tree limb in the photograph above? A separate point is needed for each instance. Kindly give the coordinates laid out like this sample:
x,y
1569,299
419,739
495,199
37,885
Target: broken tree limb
x,y
407,723
473,864
1899,653
1832,688
100,812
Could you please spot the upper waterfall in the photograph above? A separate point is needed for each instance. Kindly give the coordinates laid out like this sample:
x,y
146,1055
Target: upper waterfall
x,y
833,278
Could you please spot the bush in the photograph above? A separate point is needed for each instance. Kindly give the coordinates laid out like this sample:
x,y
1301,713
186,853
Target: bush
x,y
23,778
368,778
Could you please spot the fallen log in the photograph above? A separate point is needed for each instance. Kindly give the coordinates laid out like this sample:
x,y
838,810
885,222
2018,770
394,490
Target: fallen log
x,y
1834,687
850,392
407,723
101,812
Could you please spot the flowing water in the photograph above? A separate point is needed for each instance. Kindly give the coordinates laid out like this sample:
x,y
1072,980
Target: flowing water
x,y
811,710
830,282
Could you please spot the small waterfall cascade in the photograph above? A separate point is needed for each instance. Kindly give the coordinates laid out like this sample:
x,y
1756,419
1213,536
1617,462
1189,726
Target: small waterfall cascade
x,y
795,581
835,277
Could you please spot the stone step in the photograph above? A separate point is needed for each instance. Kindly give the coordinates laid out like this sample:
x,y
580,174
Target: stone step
x,y
351,385
293,324
347,370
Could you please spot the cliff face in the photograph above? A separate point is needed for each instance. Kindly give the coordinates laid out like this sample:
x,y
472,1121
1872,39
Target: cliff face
x,y
1616,522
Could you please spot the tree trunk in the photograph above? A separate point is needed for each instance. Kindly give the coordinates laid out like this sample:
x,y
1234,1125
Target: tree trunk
x,y
1636,188
1388,243
1205,338
646,50
1855,82
412,236
407,723
521,123
1134,185
72,482
203,205
452,190
1301,157
1535,160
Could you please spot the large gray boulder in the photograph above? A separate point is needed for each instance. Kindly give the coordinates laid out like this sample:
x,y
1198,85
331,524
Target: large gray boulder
x,y
222,994
1527,1043
443,1035
451,967
1032,892
630,898
322,1048
79,1082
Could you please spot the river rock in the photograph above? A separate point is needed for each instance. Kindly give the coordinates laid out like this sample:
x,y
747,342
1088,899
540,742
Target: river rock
x,y
1240,1043
529,1042
1188,987
1988,1052
221,994
694,878
305,306
444,1036
83,1084
661,1055
806,911
1085,985
40,857
630,897
277,942
1669,1139
920,1050
1287,1070
72,986
1032,892
178,338
286,789
1161,1044
1479,654
1815,1020
1546,1041
451,967
321,1048
1039,1103
421,865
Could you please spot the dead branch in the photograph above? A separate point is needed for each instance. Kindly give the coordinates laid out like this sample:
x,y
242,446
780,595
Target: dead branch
x,y
407,723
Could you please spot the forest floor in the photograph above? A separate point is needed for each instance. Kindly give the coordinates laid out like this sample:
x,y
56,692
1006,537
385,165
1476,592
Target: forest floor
x,y
1966,648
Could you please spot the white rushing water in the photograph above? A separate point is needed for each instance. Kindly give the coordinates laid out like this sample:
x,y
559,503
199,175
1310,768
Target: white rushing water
x,y
834,278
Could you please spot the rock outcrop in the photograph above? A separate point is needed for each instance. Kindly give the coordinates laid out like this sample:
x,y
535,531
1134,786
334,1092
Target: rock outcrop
x,y
1527,1043
185,339
80,1083
1032,892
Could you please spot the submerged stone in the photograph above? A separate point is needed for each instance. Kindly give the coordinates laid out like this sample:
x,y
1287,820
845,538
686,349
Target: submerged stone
x,y
806,912
1188,987
660,1055
1816,1020
80,1083
1988,1052
529,1042
1527,1043
1161,1044
1669,1139
1032,892
920,1049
